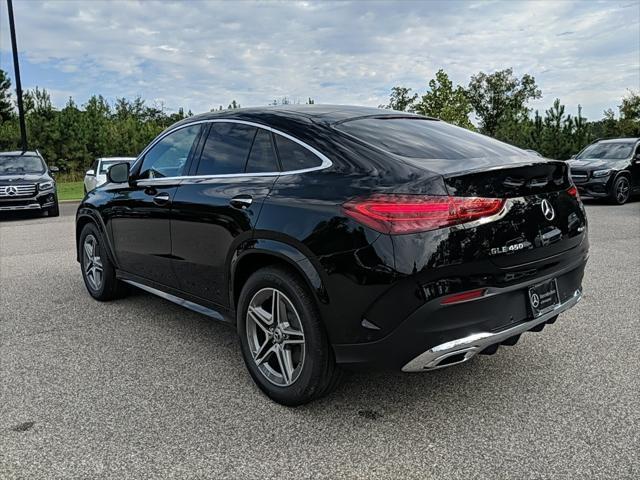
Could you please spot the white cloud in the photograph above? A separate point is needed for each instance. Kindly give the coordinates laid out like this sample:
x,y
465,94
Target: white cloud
x,y
202,54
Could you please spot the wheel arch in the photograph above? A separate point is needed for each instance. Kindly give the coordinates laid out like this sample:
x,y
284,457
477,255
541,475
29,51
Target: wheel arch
x,y
262,253
84,217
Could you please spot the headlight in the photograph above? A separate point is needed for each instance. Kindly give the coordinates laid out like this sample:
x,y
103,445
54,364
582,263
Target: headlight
x,y
45,186
601,173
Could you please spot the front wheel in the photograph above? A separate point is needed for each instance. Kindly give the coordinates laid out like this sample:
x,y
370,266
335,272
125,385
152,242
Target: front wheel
x,y
282,338
54,211
98,272
621,190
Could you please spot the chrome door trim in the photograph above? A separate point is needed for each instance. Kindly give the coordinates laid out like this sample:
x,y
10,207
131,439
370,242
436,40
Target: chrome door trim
x,y
325,162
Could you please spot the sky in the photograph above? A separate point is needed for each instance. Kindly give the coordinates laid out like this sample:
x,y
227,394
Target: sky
x,y
201,54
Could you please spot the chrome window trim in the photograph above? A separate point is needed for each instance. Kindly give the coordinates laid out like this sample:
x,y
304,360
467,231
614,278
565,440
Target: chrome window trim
x,y
325,162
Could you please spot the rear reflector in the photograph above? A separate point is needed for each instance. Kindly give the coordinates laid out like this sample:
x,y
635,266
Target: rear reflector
x,y
398,214
462,297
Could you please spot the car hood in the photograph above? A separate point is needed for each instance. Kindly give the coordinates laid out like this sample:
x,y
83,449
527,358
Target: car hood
x,y
589,163
23,178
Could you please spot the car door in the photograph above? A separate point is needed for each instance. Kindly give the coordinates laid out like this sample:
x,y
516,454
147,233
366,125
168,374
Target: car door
x,y
140,213
635,168
90,180
216,207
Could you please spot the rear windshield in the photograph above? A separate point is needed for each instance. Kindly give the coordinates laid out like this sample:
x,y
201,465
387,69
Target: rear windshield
x,y
14,164
423,138
608,151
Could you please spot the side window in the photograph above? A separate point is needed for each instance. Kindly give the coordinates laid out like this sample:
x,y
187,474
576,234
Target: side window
x,y
226,149
294,156
262,157
168,157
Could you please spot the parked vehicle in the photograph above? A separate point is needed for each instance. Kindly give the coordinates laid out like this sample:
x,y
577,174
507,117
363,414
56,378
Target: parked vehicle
x,y
608,169
26,183
335,237
97,174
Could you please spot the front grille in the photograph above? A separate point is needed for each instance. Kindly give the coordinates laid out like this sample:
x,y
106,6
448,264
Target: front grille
x,y
579,176
17,190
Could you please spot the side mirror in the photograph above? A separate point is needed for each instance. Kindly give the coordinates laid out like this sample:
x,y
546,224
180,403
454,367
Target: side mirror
x,y
118,173
91,173
573,156
637,158
54,169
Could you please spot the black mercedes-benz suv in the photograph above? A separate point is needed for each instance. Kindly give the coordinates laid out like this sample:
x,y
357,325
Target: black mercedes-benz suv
x,y
608,169
335,237
26,183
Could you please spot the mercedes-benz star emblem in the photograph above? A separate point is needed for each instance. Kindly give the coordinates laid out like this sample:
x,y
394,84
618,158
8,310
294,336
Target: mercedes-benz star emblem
x,y
535,299
547,210
11,190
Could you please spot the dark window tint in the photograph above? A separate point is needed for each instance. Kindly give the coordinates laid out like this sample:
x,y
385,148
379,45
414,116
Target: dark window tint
x,y
262,157
17,164
226,149
294,156
608,151
417,138
168,157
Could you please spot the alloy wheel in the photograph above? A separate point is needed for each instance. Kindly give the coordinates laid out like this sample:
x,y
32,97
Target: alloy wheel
x,y
622,190
275,336
93,269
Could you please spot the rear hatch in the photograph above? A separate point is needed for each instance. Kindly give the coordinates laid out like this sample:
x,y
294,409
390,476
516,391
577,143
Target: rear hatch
x,y
542,216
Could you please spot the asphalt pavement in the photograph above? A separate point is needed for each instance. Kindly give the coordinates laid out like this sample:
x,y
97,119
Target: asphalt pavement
x,y
141,388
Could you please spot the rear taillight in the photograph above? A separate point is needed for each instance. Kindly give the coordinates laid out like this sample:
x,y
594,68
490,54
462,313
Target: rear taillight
x,y
398,214
573,191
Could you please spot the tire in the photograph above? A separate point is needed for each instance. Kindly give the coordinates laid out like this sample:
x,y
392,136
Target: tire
x,y
54,211
621,190
290,359
101,284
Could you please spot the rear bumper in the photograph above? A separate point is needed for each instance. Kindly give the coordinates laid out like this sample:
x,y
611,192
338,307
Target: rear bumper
x,y
462,349
434,332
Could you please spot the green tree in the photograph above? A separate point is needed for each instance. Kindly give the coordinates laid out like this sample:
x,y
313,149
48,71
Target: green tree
x,y
499,95
445,102
6,106
630,115
401,99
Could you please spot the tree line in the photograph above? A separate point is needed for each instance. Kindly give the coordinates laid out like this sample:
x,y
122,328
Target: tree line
x,y
72,137
499,101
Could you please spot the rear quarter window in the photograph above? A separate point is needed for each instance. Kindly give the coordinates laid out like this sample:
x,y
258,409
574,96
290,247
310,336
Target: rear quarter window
x,y
424,138
294,156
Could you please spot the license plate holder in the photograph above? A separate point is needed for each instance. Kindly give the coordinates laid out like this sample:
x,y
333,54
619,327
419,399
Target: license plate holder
x,y
544,297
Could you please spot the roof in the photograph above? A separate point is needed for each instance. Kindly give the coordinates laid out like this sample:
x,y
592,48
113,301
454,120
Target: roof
x,y
618,140
19,153
316,113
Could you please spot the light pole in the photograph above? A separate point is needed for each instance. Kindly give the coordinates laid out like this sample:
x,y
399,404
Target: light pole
x,y
16,70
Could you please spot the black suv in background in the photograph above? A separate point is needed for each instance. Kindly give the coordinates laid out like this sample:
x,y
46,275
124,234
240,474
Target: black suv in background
x,y
334,237
608,169
26,183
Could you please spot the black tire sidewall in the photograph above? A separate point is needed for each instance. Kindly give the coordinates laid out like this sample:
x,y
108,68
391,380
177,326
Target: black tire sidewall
x,y
614,193
310,381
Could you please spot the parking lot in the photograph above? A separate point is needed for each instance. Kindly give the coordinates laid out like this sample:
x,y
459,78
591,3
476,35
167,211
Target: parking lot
x,y
141,388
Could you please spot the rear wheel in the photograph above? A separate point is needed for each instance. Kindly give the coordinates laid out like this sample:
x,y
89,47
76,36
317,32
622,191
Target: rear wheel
x,y
98,272
621,190
282,338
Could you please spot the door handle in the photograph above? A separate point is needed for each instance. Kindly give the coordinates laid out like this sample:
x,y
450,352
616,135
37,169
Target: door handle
x,y
161,199
241,201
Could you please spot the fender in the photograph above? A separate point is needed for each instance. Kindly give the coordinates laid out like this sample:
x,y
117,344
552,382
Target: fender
x,y
283,251
93,216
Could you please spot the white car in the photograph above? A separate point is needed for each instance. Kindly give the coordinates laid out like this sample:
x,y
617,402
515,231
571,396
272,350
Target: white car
x,y
97,175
